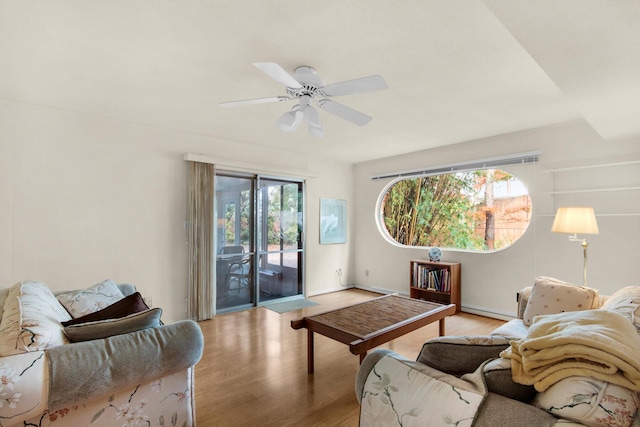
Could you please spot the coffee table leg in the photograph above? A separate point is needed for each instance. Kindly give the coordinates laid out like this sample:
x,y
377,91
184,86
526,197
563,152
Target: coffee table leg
x,y
441,327
362,356
310,352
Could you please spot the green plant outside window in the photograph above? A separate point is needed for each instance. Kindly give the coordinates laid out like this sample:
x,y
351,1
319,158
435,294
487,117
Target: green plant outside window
x,y
481,210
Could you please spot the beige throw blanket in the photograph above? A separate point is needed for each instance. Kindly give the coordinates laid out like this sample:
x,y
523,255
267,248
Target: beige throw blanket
x,y
593,343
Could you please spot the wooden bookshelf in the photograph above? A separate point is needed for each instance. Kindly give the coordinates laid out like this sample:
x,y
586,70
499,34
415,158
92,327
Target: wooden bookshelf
x,y
435,281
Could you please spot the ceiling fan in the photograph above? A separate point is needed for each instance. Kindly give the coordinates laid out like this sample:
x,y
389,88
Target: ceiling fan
x,y
307,87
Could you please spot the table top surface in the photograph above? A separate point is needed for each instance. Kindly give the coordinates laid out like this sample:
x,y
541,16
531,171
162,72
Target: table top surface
x,y
369,317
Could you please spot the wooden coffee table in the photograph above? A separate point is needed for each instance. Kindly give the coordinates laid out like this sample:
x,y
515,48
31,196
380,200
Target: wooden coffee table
x,y
372,323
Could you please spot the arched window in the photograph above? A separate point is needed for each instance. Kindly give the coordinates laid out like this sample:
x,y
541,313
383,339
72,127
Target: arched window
x,y
475,210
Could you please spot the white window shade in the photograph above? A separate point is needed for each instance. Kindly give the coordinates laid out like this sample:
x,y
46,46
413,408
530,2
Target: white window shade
x,y
490,163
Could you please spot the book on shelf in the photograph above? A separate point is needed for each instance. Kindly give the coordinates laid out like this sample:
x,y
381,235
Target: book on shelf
x,y
431,278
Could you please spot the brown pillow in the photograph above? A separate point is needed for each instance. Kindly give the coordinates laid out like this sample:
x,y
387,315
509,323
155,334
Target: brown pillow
x,y
126,306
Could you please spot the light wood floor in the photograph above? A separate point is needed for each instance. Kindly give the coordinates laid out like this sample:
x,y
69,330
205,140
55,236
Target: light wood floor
x,y
254,368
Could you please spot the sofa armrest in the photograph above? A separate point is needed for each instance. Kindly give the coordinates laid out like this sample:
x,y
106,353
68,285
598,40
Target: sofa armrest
x,y
23,390
365,367
86,370
522,299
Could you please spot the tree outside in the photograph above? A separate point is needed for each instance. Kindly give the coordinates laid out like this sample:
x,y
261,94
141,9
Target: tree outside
x,y
282,218
479,210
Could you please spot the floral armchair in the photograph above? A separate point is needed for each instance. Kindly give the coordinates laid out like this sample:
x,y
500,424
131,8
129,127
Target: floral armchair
x,y
139,372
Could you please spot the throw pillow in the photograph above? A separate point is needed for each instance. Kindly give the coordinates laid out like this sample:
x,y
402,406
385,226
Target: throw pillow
x,y
626,302
97,297
3,298
31,319
107,328
126,306
457,355
552,296
590,402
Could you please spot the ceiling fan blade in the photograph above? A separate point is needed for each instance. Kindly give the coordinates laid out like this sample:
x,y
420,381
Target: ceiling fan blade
x,y
364,84
254,101
344,112
277,73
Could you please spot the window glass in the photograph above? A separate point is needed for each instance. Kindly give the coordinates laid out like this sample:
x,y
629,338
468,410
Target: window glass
x,y
481,210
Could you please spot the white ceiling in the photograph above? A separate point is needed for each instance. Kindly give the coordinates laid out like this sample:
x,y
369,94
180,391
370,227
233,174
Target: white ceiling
x,y
457,70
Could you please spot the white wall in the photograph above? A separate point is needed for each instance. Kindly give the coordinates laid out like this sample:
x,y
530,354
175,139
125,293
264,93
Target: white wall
x,y
490,280
85,198
335,181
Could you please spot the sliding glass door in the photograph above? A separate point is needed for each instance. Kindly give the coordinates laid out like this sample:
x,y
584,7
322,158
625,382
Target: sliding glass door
x,y
235,255
259,247
280,246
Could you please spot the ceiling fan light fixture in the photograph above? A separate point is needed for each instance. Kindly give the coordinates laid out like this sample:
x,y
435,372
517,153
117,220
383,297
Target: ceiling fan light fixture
x,y
316,131
289,121
311,116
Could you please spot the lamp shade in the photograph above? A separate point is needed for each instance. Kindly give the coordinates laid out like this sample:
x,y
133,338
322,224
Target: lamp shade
x,y
575,220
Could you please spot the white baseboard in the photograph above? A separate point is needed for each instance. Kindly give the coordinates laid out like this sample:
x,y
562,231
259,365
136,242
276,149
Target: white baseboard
x,y
328,291
487,312
380,290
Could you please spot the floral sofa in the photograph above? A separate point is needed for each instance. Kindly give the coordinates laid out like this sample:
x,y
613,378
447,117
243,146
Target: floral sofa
x,y
93,357
570,358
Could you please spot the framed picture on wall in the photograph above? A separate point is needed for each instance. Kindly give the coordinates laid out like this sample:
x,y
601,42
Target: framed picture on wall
x,y
333,221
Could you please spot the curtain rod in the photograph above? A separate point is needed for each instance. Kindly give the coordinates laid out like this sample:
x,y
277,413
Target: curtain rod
x,y
241,166
512,159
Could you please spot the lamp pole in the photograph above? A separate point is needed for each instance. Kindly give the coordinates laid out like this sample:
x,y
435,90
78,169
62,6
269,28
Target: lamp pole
x,y
583,242
584,272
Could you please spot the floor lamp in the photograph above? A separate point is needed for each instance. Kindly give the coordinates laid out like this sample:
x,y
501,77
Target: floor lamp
x,y
576,220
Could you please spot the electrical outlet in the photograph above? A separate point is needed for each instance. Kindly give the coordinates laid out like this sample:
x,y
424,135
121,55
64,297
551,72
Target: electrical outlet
x,y
366,273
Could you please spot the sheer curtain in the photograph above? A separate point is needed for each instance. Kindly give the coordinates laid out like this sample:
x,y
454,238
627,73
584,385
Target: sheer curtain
x,y
201,240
